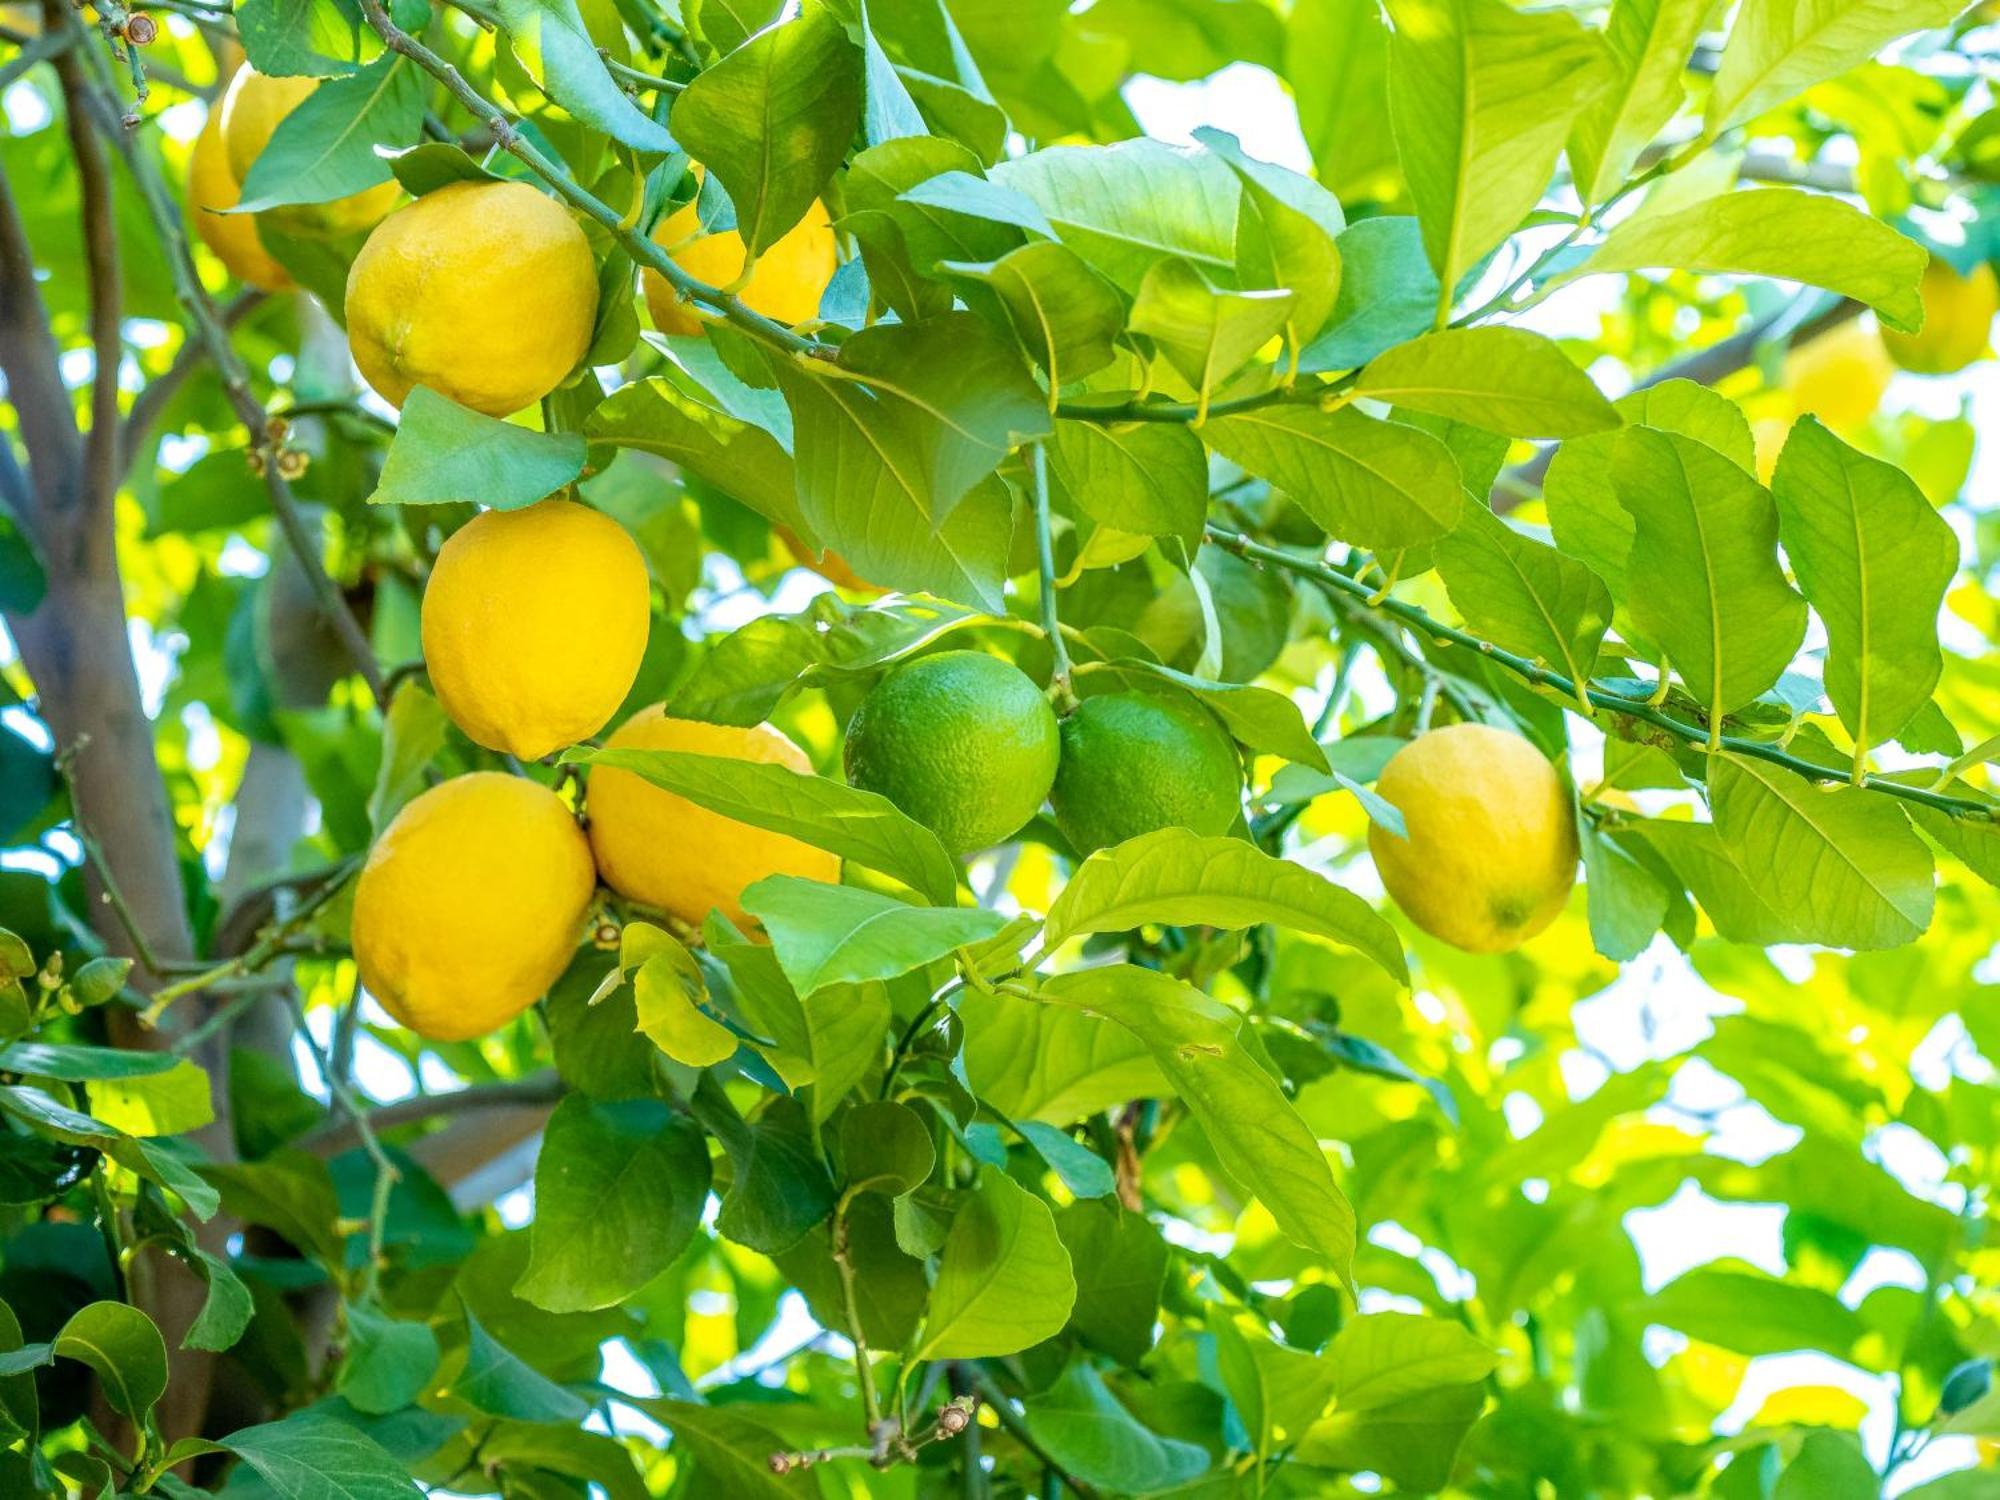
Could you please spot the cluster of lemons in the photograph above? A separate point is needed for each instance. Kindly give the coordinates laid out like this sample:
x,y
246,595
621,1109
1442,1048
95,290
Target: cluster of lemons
x,y
535,622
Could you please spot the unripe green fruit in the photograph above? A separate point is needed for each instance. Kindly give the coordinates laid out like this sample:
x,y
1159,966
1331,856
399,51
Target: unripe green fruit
x,y
1134,762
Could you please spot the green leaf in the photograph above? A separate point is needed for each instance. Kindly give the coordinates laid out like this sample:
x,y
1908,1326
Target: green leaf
x,y
731,1449
554,45
1524,595
389,1361
1337,62
668,995
172,1165
1267,721
942,401
1205,332
1286,234
862,491
619,1189
1126,207
33,1170
1755,1314
1375,484
885,1148
1481,97
308,1456
1386,1357
1084,1429
325,148
1584,513
1874,560
1779,48
1650,42
1506,380
1388,293
121,1344
1063,312
720,446
1705,540
772,120
1829,1466
1121,1266
1003,1278
779,1188
1278,1393
1413,1442
169,1103
495,1380
1841,863
413,731
1782,232
854,824
45,1115
827,1041
1038,1062
444,453
1627,901
888,112
226,1311
432,165
1257,1135
300,38
74,1063
835,934
290,1192
1177,877
1144,477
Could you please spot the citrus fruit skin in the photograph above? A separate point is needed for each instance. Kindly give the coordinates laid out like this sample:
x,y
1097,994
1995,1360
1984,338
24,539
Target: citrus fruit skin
x,y
963,742
1491,852
471,904
785,285
1958,317
661,850
212,187
1134,762
483,291
1839,377
252,109
534,623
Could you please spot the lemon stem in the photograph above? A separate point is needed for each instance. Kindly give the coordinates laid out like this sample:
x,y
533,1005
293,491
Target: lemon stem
x,y
1060,685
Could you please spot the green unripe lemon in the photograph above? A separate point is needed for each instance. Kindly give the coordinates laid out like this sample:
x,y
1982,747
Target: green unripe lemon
x,y
963,742
1134,762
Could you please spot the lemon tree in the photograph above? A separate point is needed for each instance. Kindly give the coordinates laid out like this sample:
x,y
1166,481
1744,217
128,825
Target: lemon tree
x,y
1212,748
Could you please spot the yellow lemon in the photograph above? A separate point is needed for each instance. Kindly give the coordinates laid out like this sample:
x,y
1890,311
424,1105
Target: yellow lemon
x,y
252,109
1958,317
212,187
661,850
784,286
483,291
1767,436
1491,852
534,623
1839,377
471,903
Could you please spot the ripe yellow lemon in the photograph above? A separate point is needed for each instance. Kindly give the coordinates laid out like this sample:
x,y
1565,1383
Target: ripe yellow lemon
x,y
1491,852
252,109
212,187
534,623
660,849
483,291
785,285
471,903
1839,377
1958,318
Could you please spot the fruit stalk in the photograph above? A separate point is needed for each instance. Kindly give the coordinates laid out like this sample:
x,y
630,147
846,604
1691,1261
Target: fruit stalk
x,y
1061,686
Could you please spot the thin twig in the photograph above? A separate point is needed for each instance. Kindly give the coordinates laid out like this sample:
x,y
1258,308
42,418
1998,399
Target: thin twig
x,y
1541,676
1060,687
36,50
150,402
386,1173
539,1088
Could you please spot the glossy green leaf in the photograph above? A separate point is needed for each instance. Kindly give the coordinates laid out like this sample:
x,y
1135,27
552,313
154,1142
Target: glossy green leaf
x,y
1003,1278
668,994
389,1360
1874,561
1144,477
1376,484
444,454
619,1189
885,1148
1176,876
309,1456
1064,313
854,824
1277,1392
1206,333
1385,1357
1256,1134
1651,42
325,148
1286,234
835,934
498,1382
737,456
1525,595
1505,379
1705,539
773,119
1779,48
1082,1426
122,1345
1121,1266
1782,232
1035,1062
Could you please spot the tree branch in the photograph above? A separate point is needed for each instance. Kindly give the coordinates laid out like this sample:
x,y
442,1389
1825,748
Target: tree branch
x,y
152,401
28,358
339,1136
100,252
1540,676
207,323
